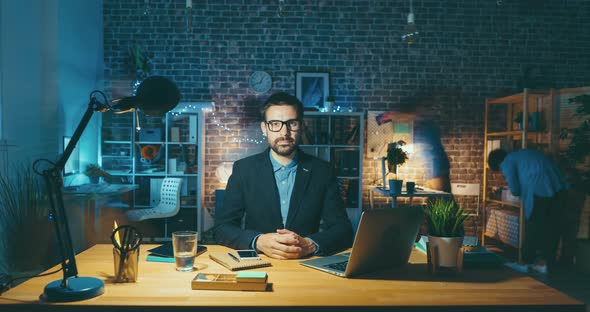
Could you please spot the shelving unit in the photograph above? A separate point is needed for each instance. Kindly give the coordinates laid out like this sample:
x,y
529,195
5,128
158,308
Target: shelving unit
x,y
338,138
168,146
536,130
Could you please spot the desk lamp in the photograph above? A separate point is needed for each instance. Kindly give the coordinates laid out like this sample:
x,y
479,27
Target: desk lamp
x,y
155,96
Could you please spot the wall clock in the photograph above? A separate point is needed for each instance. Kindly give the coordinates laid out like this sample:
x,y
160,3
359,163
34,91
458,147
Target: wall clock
x,y
260,81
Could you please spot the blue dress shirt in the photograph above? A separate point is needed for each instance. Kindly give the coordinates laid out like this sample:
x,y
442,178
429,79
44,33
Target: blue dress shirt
x,y
530,173
285,179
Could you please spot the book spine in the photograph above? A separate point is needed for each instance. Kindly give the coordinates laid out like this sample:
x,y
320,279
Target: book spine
x,y
152,258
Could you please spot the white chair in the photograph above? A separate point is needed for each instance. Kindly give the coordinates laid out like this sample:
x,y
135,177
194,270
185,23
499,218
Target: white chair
x,y
169,202
467,189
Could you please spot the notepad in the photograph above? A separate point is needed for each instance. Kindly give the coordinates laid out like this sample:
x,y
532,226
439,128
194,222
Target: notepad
x,y
225,260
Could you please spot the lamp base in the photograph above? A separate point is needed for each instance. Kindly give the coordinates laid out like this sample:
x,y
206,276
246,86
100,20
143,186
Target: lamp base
x,y
79,288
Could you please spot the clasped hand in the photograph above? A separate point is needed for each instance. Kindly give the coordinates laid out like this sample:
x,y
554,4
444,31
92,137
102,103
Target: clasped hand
x,y
285,244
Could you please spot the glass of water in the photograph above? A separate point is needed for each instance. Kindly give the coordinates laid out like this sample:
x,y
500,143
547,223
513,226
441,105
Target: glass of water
x,y
184,244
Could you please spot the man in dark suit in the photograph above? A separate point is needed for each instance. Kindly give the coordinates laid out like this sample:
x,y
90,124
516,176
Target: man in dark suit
x,y
284,195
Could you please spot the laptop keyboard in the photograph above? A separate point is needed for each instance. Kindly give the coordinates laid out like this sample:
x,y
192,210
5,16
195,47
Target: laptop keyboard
x,y
339,266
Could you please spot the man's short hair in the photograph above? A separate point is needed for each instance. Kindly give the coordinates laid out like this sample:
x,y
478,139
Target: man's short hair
x,y
282,98
495,158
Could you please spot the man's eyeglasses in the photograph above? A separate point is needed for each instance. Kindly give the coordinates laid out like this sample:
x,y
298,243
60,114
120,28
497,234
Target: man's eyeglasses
x,y
277,125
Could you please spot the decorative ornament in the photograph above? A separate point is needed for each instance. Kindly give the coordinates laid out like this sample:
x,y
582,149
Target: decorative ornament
x,y
150,153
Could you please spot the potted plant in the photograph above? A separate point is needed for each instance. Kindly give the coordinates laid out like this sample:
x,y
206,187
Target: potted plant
x,y
396,156
329,103
445,232
95,172
139,61
575,161
25,223
140,64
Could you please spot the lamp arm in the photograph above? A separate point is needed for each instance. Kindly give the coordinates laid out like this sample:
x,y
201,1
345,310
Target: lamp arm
x,y
156,95
383,174
52,178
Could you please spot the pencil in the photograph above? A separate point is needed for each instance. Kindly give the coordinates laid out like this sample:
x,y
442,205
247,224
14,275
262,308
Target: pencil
x,y
117,239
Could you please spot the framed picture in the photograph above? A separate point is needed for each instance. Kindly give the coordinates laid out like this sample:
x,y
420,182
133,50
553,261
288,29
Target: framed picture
x,y
312,89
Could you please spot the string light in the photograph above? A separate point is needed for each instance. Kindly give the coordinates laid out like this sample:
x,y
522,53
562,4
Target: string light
x,y
188,108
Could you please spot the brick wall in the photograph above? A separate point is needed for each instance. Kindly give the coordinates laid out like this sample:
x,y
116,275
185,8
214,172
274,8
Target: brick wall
x,y
467,50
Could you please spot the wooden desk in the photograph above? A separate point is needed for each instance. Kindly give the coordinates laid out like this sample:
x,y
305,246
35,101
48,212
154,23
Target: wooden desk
x,y
297,288
420,192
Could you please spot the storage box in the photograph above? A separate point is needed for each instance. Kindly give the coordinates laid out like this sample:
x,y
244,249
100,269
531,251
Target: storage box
x,y
150,135
503,225
174,134
508,197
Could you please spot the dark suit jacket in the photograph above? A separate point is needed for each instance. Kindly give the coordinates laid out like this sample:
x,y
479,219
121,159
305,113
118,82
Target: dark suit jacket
x,y
252,192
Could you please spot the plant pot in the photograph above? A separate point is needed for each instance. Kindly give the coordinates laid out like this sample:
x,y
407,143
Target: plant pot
x,y
447,250
395,186
94,180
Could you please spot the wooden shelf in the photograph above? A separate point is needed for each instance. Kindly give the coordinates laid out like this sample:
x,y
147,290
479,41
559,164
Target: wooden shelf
x,y
518,98
502,118
495,201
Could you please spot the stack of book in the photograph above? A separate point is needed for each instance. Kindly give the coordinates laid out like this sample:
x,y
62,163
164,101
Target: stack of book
x,y
252,281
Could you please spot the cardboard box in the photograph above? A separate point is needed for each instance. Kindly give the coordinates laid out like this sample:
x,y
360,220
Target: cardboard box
x,y
150,135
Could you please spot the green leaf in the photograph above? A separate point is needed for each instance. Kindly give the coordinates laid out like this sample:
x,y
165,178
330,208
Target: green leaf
x,y
445,218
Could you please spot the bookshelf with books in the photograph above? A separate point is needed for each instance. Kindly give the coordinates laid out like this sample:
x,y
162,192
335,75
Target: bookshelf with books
x,y
518,121
167,146
337,137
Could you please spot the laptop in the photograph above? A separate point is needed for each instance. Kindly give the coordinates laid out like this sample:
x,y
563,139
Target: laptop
x,y
384,239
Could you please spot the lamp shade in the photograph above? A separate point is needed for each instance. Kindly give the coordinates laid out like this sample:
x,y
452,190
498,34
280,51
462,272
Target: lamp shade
x,y
155,96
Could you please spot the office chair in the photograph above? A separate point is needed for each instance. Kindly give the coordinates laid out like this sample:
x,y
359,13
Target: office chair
x,y
169,202
469,189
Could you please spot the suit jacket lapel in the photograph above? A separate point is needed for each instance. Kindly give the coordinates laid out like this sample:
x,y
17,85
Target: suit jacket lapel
x,y
269,193
301,181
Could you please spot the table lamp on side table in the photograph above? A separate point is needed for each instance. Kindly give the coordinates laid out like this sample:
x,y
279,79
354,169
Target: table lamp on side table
x,y
156,95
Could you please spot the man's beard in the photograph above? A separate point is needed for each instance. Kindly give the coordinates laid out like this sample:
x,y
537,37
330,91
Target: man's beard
x,y
284,150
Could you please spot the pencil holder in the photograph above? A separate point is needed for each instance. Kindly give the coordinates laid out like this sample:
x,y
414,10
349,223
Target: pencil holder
x,y
126,265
